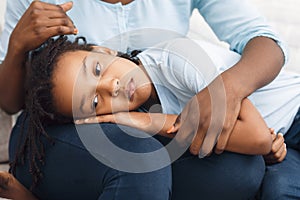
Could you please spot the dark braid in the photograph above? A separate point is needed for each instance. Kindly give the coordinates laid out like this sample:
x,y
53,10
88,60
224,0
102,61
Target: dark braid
x,y
132,56
39,108
39,105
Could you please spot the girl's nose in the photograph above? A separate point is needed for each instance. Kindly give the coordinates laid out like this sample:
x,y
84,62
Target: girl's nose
x,y
109,85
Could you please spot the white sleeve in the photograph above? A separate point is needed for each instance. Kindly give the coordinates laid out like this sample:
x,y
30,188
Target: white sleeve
x,y
236,22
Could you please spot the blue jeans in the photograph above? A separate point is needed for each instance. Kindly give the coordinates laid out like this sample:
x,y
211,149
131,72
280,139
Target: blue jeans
x,y
282,180
71,172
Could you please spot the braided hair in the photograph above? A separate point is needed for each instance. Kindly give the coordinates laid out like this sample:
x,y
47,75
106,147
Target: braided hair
x,y
39,102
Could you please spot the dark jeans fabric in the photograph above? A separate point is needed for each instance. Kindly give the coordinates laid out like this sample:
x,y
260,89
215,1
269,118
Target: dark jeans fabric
x,y
282,180
71,172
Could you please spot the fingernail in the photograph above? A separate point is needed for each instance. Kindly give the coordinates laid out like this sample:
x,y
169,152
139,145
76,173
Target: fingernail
x,y
171,130
201,155
75,32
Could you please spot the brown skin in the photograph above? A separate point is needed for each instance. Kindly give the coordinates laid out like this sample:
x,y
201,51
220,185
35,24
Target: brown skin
x,y
124,2
260,63
77,80
11,188
263,66
262,58
38,23
249,136
278,150
80,77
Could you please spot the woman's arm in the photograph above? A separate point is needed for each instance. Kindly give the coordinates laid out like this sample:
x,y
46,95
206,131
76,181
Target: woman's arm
x,y
247,32
39,22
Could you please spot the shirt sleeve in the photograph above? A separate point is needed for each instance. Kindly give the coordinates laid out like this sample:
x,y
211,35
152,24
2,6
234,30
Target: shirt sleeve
x,y
236,22
14,11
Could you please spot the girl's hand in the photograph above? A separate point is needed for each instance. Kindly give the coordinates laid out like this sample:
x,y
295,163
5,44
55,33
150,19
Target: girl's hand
x,y
278,151
41,21
149,122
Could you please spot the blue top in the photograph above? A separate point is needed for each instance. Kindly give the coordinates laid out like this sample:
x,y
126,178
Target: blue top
x,y
143,23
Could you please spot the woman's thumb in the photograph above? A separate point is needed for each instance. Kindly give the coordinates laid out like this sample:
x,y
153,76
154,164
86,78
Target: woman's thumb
x,y
66,6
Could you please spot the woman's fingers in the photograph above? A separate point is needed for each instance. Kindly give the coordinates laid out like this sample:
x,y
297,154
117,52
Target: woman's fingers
x,y
53,7
41,21
66,6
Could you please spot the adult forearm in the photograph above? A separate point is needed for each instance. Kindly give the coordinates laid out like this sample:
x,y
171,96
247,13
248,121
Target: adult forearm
x,y
261,61
12,75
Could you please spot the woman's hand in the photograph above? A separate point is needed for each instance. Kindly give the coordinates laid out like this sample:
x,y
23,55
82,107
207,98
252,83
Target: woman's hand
x,y
149,122
278,151
208,118
11,188
41,21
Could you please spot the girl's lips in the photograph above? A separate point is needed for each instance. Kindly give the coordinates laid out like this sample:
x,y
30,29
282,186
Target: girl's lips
x,y
130,89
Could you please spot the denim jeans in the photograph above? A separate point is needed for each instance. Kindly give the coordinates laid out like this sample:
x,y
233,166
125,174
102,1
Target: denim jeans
x,y
71,172
282,180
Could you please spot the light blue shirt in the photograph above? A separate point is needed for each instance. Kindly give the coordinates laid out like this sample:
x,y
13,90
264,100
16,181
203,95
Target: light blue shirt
x,y
143,23
181,68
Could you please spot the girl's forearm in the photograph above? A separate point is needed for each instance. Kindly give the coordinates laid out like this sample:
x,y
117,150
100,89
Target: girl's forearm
x,y
253,140
250,134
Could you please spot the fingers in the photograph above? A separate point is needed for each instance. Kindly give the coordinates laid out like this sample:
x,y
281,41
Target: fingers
x,y
96,119
57,30
197,144
66,6
277,157
278,142
90,120
209,142
273,134
176,125
283,154
278,151
4,179
49,15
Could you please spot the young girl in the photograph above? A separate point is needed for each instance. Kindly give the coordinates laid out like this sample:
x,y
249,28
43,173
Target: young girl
x,y
92,84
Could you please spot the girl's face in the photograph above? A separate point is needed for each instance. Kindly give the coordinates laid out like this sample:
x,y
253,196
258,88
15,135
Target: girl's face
x,y
91,83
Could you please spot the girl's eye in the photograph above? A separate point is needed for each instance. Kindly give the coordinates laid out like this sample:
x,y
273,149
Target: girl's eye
x,y
98,69
95,102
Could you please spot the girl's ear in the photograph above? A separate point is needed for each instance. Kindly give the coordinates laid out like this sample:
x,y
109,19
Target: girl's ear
x,y
104,50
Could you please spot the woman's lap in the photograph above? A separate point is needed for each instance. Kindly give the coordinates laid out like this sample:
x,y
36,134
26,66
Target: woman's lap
x,y
225,176
72,171
282,180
